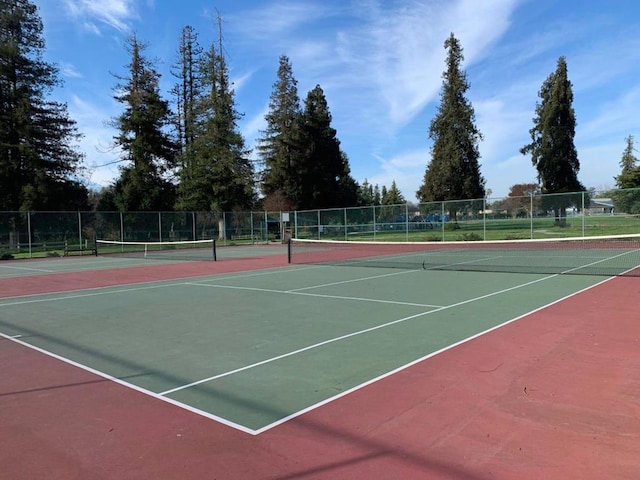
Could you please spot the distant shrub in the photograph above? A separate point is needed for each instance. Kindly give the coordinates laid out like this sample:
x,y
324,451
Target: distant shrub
x,y
451,226
470,237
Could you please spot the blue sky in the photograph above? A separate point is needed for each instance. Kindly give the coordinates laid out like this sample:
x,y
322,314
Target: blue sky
x,y
380,64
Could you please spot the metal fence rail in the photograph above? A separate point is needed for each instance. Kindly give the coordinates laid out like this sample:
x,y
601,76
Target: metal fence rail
x,y
30,234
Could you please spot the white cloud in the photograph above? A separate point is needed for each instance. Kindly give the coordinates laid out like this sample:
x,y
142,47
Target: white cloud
x,y
406,169
97,143
254,125
113,13
69,70
278,19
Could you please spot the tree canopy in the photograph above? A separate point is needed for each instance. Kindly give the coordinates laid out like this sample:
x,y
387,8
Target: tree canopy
x,y
325,176
552,148
39,159
454,170
279,146
304,164
216,172
628,199
630,169
147,148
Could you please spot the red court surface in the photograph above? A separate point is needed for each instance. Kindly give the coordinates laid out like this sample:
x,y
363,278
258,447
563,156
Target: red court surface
x,y
554,395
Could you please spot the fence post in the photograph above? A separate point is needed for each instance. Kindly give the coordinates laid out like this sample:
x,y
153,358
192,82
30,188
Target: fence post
x,y
484,218
80,229
583,214
406,222
531,216
29,232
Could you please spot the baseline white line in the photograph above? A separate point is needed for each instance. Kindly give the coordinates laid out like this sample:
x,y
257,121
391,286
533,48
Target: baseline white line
x,y
295,292
419,360
119,381
349,335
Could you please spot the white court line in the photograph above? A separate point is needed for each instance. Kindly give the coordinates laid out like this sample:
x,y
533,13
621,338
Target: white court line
x,y
210,277
600,261
83,295
421,359
27,269
301,412
404,272
295,292
132,386
353,334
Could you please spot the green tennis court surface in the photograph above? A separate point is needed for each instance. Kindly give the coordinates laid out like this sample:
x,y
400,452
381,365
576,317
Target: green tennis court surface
x,y
253,349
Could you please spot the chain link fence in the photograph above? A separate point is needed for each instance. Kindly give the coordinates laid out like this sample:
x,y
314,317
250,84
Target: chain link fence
x,y
35,234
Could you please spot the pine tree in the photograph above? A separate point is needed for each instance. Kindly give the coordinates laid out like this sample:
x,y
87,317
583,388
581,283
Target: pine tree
x,y
552,150
188,90
393,196
143,138
279,148
454,170
219,175
630,175
377,196
365,193
38,153
628,199
324,169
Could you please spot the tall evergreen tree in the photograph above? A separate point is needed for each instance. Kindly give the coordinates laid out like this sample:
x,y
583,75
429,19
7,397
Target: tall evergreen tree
x,y
552,150
393,196
630,170
628,199
365,193
219,174
279,147
377,196
143,138
325,179
188,90
454,170
38,153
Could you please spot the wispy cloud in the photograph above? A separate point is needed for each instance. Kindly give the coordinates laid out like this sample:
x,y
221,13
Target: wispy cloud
x,y
279,19
389,51
116,14
70,71
380,67
97,142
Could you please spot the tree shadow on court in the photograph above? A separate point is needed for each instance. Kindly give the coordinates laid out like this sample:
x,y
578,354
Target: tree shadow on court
x,y
375,448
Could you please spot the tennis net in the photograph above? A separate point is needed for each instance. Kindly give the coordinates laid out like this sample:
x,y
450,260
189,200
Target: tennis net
x,y
182,250
603,255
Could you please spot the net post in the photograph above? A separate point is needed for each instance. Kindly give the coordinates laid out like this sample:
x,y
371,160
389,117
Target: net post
x,y
215,253
289,251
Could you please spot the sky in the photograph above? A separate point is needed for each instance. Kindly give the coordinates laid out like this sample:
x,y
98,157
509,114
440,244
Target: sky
x,y
380,64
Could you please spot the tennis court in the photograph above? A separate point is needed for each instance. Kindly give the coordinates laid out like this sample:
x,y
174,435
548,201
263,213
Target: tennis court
x,y
256,348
